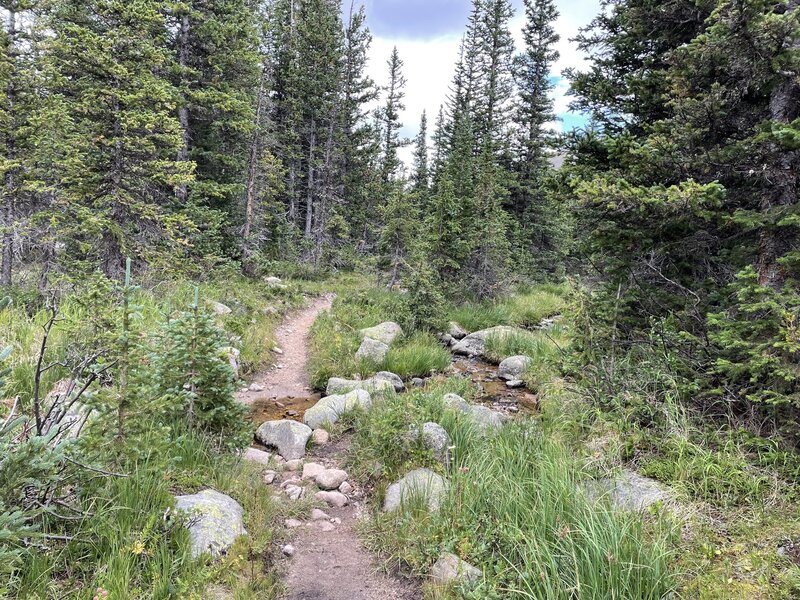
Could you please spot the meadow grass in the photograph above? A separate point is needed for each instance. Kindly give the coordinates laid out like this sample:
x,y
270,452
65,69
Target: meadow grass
x,y
418,356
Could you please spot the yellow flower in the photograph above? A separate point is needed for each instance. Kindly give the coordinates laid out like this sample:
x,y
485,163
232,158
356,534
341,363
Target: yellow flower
x,y
138,547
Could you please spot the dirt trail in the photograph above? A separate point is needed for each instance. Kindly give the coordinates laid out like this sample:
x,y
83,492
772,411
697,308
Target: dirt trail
x,y
288,377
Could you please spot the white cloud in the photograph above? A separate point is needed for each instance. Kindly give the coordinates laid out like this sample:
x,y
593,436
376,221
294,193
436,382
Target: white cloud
x,y
428,64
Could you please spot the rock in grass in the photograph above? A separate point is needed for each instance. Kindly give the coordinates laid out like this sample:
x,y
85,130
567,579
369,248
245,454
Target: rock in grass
x,y
372,350
289,437
475,343
485,418
311,470
630,491
330,479
395,380
320,437
451,569
329,409
456,331
421,485
455,402
514,367
257,456
434,437
336,499
383,332
378,384
214,521
219,309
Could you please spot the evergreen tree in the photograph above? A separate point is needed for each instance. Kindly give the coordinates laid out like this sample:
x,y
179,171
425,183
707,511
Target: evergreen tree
x,y
399,218
388,118
420,176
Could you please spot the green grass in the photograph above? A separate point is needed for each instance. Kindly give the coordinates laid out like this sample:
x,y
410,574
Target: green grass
x,y
418,356
514,509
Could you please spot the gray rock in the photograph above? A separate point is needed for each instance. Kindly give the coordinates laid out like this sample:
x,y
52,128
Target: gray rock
x,y
456,331
329,409
293,464
292,523
455,402
418,382
630,491
336,499
421,484
383,332
330,479
294,492
451,569
372,350
373,385
288,550
257,456
514,367
513,384
289,437
318,515
219,309
435,437
446,339
475,343
312,469
395,380
320,437
214,521
323,526
485,418
274,282
269,477
346,488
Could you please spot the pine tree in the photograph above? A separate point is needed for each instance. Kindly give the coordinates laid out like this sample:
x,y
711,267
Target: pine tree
x,y
420,176
399,218
389,118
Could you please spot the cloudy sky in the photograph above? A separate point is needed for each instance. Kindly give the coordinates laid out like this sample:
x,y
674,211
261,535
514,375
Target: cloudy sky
x,y
427,35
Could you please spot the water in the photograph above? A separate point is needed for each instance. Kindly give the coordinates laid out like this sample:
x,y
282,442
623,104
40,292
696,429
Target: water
x,y
269,409
492,391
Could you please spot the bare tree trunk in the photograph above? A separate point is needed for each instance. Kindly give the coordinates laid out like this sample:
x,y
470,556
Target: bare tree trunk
x,y
310,190
773,243
11,154
252,174
183,110
293,193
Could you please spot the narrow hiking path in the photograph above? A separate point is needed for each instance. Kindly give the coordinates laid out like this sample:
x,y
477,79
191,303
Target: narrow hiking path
x,y
288,377
328,560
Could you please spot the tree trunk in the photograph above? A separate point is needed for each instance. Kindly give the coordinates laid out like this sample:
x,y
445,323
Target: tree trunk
x,y
10,186
252,174
310,190
775,242
183,110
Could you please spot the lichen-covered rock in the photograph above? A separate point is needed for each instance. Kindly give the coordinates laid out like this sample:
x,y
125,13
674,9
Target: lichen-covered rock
x,y
383,332
373,385
289,437
329,409
456,331
630,491
475,343
451,569
214,521
435,437
455,402
485,418
257,456
514,367
421,484
372,350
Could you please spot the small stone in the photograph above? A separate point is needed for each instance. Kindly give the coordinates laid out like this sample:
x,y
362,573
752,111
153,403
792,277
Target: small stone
x,y
319,515
450,568
383,332
219,309
456,331
514,383
269,477
418,382
330,479
291,481
257,456
288,550
455,402
346,488
312,469
320,437
292,523
294,464
324,525
336,499
244,390
256,387
277,350
336,521
294,492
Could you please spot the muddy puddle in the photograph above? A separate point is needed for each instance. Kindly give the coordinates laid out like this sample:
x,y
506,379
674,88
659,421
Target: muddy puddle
x,y
271,409
492,391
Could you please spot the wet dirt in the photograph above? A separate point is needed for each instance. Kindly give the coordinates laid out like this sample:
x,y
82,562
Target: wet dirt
x,y
493,391
271,409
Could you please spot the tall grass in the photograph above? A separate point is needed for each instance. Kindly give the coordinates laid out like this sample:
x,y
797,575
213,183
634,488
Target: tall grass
x,y
418,356
526,308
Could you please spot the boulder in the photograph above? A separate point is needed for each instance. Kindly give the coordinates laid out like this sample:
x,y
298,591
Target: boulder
x,y
329,409
215,521
455,331
451,569
372,350
513,384
289,437
219,309
421,484
629,491
346,488
475,343
373,385
395,380
514,367
257,456
456,402
274,282
383,332
311,470
335,499
485,418
435,437
330,479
